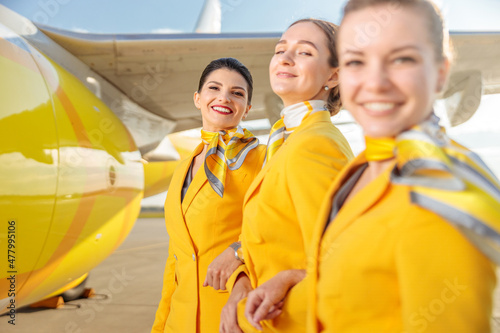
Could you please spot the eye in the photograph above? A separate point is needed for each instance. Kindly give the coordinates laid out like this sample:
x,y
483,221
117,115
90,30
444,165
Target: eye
x,y
213,88
403,60
239,93
306,53
279,52
353,63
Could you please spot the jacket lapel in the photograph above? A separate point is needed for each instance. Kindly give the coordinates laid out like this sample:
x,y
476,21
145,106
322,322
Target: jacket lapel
x,y
196,184
198,181
362,201
178,224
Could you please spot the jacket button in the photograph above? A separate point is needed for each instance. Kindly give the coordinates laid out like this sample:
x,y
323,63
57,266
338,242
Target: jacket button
x,y
175,257
194,257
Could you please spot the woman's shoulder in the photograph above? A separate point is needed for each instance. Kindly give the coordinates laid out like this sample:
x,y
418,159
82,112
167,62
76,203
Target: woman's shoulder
x,y
322,137
414,218
320,127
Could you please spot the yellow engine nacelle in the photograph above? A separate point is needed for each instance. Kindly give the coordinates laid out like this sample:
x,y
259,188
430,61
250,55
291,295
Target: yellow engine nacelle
x,y
71,180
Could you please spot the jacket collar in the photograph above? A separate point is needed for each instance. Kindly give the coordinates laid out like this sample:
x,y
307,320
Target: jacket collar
x,y
362,201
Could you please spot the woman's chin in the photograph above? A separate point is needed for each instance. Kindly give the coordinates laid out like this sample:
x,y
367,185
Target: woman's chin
x,y
285,92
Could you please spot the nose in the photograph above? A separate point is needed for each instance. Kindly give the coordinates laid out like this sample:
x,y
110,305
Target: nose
x,y
378,78
224,96
285,58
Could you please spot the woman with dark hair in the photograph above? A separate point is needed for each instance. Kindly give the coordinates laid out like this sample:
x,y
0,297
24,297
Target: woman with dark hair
x,y
407,236
305,152
203,209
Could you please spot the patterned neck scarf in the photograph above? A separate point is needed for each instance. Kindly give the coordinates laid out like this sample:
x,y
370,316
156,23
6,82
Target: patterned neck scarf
x,y
449,180
291,117
226,150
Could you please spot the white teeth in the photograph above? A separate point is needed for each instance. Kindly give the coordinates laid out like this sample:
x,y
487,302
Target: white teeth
x,y
217,108
379,106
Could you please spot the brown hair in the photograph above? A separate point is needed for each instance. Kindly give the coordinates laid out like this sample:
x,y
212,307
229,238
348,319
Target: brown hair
x,y
230,64
438,35
333,103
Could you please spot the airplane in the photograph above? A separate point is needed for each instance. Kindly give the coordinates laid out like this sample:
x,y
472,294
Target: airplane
x,y
83,124
78,153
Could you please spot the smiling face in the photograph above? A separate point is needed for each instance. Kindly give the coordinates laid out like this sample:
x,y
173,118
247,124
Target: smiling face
x,y
223,100
299,69
389,81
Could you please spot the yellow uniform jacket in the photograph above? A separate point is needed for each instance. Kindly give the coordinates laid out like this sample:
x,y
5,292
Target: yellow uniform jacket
x,y
281,205
200,228
386,265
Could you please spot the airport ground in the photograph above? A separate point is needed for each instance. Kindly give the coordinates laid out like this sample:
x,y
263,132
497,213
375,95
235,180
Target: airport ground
x,y
128,286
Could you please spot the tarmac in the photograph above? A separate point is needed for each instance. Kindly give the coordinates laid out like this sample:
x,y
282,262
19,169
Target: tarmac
x,y
128,288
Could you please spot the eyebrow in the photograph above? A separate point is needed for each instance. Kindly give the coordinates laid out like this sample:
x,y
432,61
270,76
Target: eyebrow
x,y
283,41
220,84
399,49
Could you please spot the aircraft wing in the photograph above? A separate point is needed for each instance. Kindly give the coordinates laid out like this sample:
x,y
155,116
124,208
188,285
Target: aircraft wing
x,y
160,72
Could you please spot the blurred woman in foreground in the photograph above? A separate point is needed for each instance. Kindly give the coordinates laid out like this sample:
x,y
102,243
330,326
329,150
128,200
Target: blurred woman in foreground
x,y
404,239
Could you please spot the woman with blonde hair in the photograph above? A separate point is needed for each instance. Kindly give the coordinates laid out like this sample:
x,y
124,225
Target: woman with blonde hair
x,y
305,153
407,234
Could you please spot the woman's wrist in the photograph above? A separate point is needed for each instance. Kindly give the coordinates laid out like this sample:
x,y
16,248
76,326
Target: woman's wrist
x,y
242,283
238,252
291,277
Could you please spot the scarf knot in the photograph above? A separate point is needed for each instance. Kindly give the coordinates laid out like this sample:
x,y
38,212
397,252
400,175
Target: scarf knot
x,y
226,150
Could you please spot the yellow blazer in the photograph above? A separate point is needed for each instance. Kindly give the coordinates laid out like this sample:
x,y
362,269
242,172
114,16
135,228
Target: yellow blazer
x,y
281,205
199,229
387,265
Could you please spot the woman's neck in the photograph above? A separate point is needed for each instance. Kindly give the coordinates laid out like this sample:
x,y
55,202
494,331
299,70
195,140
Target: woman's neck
x,y
375,168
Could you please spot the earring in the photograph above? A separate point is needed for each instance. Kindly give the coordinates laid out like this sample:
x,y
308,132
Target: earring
x,y
327,87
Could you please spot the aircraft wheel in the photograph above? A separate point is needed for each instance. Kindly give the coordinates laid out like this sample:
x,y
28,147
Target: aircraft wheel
x,y
76,292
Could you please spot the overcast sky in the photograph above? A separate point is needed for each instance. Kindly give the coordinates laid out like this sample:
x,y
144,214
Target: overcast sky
x,y
133,16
